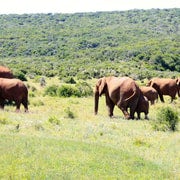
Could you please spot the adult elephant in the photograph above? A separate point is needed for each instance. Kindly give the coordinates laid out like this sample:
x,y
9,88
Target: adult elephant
x,y
165,86
122,92
13,90
5,72
150,93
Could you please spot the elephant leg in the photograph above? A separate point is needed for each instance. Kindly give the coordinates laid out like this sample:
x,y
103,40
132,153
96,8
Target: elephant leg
x,y
172,98
132,110
124,110
161,97
152,102
133,106
146,117
138,115
2,102
18,104
25,104
110,109
110,106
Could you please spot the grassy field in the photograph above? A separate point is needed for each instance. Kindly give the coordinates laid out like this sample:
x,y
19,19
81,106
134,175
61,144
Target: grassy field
x,y
61,138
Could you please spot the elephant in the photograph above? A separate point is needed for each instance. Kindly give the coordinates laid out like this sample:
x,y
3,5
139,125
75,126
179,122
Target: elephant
x,y
13,90
165,86
142,106
5,72
122,92
150,93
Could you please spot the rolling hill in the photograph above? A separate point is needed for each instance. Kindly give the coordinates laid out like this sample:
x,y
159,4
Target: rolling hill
x,y
90,45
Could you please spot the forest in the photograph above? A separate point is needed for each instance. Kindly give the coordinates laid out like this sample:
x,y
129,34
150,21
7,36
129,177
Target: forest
x,y
136,43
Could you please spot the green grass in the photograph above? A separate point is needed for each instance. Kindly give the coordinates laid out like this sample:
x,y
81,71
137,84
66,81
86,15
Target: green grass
x,y
53,158
47,143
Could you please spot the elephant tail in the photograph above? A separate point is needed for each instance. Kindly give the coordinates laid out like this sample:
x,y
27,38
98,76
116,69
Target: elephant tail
x,y
132,96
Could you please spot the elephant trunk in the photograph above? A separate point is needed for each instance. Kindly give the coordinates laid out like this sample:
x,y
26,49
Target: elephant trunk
x,y
96,101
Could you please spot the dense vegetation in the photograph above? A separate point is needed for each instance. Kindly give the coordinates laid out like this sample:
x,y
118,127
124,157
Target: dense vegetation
x,y
90,45
60,137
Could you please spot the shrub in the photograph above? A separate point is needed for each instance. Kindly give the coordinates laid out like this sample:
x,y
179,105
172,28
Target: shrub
x,y
67,91
79,90
20,75
69,113
167,119
51,90
84,89
54,120
69,80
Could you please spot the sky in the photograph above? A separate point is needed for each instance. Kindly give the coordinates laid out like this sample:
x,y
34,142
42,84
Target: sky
x,y
73,6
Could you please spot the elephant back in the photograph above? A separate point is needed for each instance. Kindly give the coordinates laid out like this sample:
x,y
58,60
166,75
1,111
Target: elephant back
x,y
5,72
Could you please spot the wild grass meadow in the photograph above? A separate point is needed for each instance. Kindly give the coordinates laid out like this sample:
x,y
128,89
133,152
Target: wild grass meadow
x,y
61,138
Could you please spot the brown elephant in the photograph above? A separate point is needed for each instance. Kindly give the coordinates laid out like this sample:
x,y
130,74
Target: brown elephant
x,y
122,92
150,93
13,90
142,106
5,72
165,86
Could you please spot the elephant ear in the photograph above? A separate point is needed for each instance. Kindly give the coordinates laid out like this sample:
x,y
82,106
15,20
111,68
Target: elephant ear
x,y
101,85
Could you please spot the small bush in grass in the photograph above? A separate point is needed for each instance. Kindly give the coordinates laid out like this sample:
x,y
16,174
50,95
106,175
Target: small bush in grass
x,y
69,80
167,119
54,120
31,94
84,89
51,90
67,91
69,113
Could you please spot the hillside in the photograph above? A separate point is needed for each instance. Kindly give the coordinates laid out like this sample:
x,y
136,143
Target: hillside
x,y
92,44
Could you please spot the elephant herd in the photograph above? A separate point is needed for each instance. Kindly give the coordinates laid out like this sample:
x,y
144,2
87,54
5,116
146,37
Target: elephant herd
x,y
122,92
126,94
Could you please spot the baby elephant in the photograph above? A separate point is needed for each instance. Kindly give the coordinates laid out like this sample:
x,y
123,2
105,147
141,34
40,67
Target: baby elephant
x,y
142,106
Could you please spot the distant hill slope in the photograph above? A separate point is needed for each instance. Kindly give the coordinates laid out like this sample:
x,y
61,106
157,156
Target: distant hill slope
x,y
149,37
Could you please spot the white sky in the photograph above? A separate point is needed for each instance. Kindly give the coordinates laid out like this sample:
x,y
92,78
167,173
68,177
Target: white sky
x,y
72,6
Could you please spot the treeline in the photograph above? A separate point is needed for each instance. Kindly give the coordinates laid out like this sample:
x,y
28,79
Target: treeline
x,y
139,43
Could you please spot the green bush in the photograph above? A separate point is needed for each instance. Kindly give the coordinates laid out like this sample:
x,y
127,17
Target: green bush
x,y
67,91
84,89
54,120
81,89
69,80
20,75
167,119
51,90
